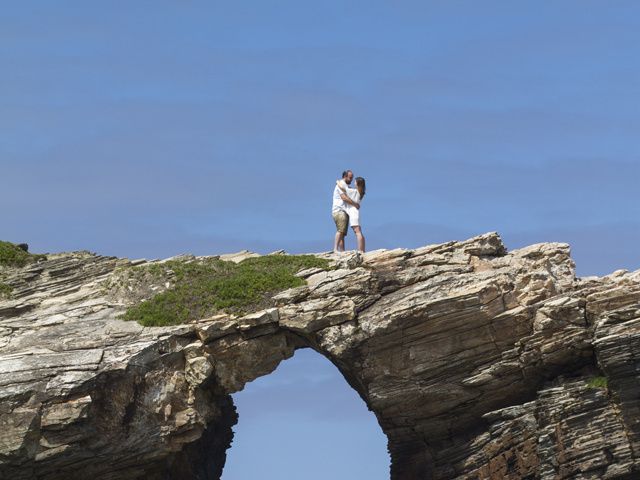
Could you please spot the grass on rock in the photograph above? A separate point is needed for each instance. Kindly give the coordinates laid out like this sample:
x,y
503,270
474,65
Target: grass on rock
x,y
597,382
208,286
5,290
12,256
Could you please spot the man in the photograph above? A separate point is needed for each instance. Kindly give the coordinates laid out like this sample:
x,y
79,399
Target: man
x,y
339,212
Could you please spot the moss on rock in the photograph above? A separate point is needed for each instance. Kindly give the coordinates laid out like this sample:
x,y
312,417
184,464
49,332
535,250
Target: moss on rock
x,y
203,287
597,382
5,290
13,256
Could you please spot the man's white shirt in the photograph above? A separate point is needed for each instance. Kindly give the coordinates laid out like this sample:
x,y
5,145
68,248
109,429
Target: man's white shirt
x,y
338,203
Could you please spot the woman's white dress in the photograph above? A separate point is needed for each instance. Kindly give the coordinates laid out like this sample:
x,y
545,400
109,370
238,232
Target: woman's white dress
x,y
353,212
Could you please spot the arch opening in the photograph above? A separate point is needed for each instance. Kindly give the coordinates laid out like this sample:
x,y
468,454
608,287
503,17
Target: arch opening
x,y
305,420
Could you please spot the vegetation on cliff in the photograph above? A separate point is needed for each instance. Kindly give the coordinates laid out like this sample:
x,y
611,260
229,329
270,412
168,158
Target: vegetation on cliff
x,y
13,256
598,382
5,290
204,287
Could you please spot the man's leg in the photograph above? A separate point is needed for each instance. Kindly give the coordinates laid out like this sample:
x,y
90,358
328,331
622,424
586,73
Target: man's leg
x,y
343,228
341,220
336,243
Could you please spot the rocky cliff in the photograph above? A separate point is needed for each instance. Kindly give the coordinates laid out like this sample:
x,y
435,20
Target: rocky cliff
x,y
478,363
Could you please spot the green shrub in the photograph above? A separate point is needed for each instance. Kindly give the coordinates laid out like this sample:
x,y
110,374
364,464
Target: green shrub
x,y
12,256
5,290
597,382
205,287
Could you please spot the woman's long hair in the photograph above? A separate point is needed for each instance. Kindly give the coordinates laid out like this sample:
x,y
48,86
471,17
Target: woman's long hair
x,y
362,186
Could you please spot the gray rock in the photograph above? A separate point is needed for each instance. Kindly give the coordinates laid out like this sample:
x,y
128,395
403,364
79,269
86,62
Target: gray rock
x,y
477,363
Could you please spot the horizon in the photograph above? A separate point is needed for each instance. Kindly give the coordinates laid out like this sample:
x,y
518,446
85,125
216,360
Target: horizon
x,y
508,251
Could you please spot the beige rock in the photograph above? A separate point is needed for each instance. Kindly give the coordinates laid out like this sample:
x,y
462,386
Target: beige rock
x,y
59,415
477,363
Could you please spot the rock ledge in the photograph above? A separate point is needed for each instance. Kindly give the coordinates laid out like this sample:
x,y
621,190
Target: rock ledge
x,y
477,362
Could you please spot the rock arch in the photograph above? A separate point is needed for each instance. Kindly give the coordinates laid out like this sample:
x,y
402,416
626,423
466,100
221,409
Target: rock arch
x,y
305,414
449,345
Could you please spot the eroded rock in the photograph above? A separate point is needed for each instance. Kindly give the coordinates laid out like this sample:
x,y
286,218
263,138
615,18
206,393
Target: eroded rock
x,y
476,361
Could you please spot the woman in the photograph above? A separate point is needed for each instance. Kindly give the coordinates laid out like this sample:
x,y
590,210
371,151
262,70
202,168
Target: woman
x,y
355,194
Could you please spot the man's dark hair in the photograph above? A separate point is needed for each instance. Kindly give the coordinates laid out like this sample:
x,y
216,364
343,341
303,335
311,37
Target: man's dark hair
x,y
344,174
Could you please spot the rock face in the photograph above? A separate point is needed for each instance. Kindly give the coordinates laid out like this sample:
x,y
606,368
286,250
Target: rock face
x,y
478,363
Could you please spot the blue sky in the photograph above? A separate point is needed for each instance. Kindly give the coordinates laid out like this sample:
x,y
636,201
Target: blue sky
x,y
304,421
149,129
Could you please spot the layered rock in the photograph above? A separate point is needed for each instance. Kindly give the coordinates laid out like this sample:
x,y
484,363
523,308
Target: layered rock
x,y
478,363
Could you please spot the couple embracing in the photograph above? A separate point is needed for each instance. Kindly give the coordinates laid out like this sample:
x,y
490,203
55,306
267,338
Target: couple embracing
x,y
346,209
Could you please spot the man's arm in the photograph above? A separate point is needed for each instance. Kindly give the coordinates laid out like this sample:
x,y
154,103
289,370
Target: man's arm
x,y
345,198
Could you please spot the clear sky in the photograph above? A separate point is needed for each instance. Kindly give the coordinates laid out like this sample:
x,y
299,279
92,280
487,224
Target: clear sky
x,y
153,128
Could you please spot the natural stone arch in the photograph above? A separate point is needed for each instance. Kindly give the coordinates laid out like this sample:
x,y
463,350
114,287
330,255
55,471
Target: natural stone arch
x,y
303,413
449,345
248,355
240,358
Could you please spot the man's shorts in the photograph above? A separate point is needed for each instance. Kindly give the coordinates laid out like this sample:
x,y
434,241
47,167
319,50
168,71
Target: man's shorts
x,y
341,220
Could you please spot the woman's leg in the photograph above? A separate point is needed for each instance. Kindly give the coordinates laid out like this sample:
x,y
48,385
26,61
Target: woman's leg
x,y
358,231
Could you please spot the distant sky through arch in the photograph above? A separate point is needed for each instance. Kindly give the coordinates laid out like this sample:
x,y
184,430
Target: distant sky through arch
x,y
304,420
